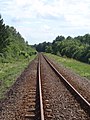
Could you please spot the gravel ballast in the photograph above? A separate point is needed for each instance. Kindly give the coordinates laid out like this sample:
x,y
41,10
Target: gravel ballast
x,y
63,104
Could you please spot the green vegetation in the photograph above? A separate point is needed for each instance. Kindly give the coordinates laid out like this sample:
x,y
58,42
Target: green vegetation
x,y
10,71
3,35
13,45
82,69
77,48
15,55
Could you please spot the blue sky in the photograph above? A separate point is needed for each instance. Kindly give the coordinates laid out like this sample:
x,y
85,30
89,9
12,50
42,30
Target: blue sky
x,y
44,20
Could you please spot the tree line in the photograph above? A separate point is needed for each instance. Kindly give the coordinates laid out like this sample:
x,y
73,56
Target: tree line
x,y
77,48
12,44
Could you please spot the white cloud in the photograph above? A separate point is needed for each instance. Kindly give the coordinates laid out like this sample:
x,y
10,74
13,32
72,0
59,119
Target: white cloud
x,y
46,28
77,13
34,8
43,17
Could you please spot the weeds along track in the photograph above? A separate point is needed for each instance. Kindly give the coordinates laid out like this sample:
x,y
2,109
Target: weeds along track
x,y
40,94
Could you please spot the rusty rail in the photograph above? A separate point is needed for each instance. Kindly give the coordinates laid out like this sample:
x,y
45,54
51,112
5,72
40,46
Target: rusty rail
x,y
82,101
40,92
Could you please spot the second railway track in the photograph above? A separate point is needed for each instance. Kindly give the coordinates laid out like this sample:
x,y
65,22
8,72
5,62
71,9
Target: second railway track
x,y
65,101
84,103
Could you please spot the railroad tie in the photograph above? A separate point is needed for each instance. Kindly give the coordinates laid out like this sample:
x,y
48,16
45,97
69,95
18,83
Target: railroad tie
x,y
48,111
30,114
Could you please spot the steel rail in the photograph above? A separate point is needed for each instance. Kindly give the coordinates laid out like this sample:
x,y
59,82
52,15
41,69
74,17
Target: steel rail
x,y
40,92
84,103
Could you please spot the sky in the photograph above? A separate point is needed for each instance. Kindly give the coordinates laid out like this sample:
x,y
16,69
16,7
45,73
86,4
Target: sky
x,y
43,20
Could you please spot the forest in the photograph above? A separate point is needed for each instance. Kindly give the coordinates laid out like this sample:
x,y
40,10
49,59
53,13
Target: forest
x,y
14,47
77,48
12,44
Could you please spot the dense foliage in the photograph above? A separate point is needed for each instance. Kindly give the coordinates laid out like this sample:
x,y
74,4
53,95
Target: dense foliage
x,y
12,44
3,35
77,48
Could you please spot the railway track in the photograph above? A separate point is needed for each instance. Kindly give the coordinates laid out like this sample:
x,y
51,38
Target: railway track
x,y
83,102
35,111
49,96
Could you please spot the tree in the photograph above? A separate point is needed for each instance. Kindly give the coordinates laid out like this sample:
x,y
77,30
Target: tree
x,y
3,36
77,47
48,49
58,39
69,38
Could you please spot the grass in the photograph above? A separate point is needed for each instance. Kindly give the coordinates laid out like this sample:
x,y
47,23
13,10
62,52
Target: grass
x,y
82,69
9,73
